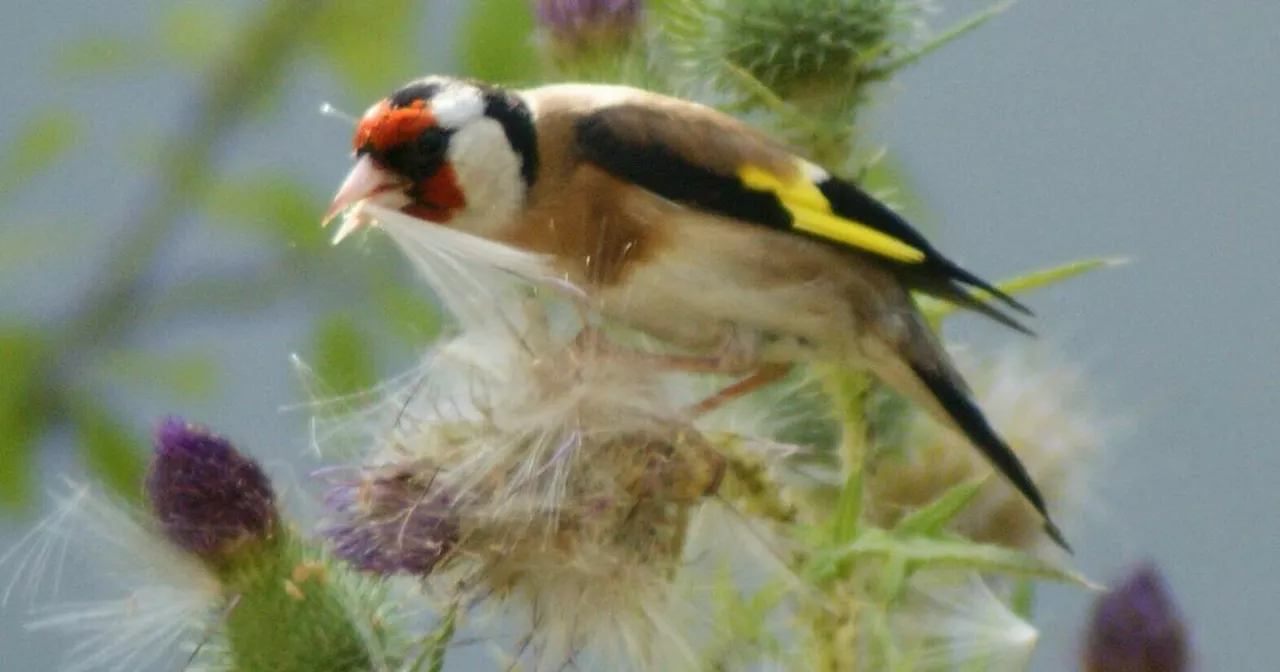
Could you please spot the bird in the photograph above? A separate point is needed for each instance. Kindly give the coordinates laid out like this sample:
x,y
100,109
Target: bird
x,y
689,225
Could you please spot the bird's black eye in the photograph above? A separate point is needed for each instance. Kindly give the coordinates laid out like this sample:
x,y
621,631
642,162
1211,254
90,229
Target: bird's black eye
x,y
419,158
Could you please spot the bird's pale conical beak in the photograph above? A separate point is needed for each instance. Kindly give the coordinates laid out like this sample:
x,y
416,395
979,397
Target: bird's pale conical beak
x,y
365,181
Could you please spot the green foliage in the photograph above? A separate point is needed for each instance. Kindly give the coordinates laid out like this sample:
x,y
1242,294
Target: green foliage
x,y
932,518
936,311
940,552
275,204
43,139
344,363
99,55
110,452
408,310
496,42
369,44
195,33
183,375
24,410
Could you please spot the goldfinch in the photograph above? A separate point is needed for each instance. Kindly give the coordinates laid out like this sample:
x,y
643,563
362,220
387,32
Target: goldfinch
x,y
686,224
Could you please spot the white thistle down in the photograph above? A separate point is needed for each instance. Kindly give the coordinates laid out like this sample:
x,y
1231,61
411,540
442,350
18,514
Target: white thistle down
x,y
473,277
953,621
162,598
542,474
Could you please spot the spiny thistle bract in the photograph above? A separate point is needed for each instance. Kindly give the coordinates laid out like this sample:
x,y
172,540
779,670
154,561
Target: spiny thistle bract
x,y
804,51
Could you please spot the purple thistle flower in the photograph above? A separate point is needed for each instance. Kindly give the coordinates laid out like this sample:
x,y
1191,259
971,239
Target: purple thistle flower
x,y
390,523
1135,627
577,23
210,499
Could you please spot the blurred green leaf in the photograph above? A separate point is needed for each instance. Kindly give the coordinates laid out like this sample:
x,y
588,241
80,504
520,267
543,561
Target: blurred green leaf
x,y
42,139
229,293
37,240
1023,601
343,356
25,413
190,375
369,44
99,55
930,520
409,311
497,42
935,311
111,453
195,33
275,203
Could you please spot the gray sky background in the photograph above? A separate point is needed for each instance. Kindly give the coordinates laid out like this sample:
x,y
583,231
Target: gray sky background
x,y
1146,128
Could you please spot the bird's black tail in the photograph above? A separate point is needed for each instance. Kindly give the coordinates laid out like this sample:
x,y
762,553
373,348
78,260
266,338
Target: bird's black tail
x,y
950,394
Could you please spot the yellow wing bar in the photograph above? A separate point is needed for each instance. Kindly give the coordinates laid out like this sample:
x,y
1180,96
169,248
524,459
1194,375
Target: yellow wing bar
x,y
811,213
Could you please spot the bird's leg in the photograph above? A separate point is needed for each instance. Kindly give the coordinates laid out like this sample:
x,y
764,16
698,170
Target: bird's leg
x,y
764,376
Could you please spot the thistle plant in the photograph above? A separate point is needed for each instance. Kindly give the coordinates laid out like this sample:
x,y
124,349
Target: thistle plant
x,y
536,483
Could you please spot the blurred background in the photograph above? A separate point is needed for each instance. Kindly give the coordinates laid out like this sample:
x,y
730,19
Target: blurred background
x,y
163,166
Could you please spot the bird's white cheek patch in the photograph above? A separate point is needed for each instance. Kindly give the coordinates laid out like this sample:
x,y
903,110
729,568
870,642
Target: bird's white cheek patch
x,y
488,173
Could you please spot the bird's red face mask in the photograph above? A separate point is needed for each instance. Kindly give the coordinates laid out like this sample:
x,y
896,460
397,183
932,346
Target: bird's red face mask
x,y
402,164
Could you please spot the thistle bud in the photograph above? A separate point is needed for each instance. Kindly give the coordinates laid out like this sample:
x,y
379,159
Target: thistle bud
x,y
1135,627
576,26
210,499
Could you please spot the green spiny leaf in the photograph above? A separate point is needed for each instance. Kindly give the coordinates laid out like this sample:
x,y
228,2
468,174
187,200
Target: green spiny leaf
x,y
497,44
936,310
957,553
930,519
110,452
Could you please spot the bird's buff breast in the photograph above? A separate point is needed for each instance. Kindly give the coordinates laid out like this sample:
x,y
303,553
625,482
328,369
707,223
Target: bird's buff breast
x,y
714,283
